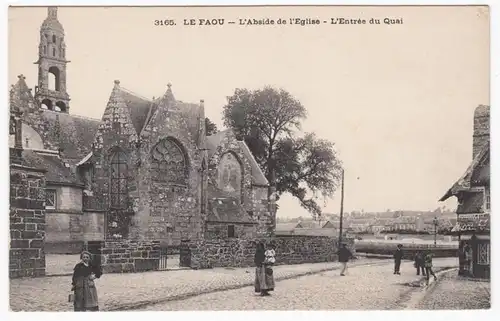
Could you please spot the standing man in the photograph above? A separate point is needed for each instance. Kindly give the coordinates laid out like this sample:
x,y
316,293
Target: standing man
x,y
419,263
398,256
344,256
428,266
468,260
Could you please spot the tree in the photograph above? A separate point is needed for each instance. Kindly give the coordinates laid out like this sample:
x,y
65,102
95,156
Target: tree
x,y
210,127
267,120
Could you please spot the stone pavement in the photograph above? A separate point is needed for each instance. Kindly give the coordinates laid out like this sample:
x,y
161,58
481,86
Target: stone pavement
x,y
453,292
122,291
365,287
136,290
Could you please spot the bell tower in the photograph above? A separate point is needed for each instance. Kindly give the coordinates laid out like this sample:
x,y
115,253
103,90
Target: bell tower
x,y
51,90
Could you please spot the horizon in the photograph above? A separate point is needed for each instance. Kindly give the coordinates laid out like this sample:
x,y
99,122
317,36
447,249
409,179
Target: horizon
x,y
392,159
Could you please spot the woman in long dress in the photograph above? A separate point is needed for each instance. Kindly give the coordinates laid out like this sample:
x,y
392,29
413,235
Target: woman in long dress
x,y
264,280
83,285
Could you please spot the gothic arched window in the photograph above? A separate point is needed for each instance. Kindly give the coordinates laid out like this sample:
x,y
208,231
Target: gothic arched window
x,y
169,162
118,188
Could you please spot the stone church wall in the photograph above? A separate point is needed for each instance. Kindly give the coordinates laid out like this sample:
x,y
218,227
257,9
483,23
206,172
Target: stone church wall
x,y
168,206
261,209
240,252
27,222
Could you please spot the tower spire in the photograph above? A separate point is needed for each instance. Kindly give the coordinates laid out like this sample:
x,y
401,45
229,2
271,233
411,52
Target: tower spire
x,y
51,92
52,12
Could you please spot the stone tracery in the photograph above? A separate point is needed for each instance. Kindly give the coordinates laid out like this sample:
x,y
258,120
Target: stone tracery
x,y
169,163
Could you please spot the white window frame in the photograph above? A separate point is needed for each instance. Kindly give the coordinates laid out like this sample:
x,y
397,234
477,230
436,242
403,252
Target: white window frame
x,y
54,191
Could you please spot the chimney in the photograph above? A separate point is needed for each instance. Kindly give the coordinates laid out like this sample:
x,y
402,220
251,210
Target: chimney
x,y
481,135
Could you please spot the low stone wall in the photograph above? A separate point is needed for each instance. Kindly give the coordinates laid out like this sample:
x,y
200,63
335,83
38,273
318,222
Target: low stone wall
x,y
240,252
130,256
409,252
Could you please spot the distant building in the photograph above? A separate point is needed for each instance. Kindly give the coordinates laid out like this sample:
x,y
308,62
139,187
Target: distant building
x,y
472,191
307,228
328,224
286,228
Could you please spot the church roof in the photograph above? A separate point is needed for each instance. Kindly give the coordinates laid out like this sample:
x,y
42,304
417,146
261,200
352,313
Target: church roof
x,y
57,171
139,108
142,110
76,133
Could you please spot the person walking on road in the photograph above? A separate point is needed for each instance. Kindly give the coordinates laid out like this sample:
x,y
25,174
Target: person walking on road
x,y
419,263
428,266
83,286
469,267
264,280
398,256
344,256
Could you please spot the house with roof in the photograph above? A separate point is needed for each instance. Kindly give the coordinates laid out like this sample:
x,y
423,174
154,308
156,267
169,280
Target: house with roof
x,y
146,170
472,190
287,228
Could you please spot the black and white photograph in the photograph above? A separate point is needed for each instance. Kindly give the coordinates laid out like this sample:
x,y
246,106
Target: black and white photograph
x,y
237,158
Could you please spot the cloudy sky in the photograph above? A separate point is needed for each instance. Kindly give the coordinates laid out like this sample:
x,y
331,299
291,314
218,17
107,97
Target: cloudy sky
x,y
397,100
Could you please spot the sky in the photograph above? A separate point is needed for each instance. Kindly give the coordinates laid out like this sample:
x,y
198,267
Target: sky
x,y
397,100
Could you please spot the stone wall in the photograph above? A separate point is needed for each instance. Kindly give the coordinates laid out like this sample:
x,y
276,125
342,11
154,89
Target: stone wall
x,y
261,209
130,256
408,252
27,222
240,252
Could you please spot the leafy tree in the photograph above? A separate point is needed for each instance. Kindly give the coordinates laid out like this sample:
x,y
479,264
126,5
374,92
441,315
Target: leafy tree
x,y
267,120
210,127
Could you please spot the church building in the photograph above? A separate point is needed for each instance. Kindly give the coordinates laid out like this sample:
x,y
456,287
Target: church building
x,y
145,171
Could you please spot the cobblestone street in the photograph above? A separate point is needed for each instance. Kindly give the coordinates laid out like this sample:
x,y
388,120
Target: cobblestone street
x,y
370,284
467,294
369,287
122,290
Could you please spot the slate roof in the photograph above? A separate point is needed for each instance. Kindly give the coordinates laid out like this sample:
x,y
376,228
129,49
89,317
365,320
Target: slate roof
x,y
310,224
142,110
213,141
472,203
57,172
464,183
76,133
139,108
287,226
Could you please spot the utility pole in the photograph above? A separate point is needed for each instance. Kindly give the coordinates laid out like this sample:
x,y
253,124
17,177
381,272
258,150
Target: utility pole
x,y
341,208
435,221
